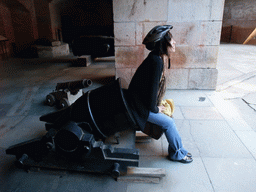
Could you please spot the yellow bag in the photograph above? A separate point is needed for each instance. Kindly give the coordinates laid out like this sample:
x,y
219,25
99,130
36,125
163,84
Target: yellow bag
x,y
169,106
154,130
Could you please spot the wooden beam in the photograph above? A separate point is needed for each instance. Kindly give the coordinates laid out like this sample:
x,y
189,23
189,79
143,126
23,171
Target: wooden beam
x,y
142,137
140,134
143,175
139,179
253,34
145,172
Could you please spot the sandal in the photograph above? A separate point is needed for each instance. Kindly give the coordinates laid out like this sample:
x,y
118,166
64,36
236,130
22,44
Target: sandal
x,y
186,159
189,154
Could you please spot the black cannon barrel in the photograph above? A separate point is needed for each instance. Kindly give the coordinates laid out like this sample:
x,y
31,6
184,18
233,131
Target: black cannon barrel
x,y
74,85
105,109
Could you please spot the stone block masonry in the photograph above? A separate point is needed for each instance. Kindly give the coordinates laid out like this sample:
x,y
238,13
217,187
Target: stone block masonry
x,y
197,29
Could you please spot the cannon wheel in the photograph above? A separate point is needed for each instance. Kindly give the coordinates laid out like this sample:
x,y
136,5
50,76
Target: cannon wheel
x,y
64,103
50,100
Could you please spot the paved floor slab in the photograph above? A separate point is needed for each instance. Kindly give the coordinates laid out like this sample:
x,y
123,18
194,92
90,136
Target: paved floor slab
x,y
229,111
248,114
246,86
249,140
234,60
14,179
8,124
200,113
23,103
216,139
188,98
179,177
229,174
177,113
153,148
9,95
90,182
188,142
250,98
29,128
4,108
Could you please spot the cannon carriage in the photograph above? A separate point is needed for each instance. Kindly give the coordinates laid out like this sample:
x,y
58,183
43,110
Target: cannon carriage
x,y
66,93
75,138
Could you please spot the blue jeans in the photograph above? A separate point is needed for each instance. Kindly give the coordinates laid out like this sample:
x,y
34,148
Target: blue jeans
x,y
175,149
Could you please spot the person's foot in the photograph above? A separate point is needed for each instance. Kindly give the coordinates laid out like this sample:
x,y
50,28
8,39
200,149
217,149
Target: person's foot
x,y
186,159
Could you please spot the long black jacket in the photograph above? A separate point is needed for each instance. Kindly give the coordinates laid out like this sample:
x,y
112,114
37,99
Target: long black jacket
x,y
144,86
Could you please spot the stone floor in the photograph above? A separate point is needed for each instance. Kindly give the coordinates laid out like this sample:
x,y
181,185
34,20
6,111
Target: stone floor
x,y
217,127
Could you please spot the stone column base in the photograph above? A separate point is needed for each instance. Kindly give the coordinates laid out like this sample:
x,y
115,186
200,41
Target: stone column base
x,y
52,51
178,78
192,78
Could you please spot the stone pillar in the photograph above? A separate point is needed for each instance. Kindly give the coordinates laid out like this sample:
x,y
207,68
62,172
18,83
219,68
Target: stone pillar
x,y
43,19
29,5
197,26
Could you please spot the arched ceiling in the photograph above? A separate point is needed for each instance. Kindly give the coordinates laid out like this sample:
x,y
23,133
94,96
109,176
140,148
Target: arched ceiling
x,y
15,4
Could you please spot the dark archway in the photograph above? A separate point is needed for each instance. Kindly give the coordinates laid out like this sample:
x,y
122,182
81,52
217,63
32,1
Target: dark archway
x,y
21,24
23,33
86,17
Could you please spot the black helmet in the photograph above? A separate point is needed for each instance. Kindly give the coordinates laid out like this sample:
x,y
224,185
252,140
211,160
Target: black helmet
x,y
155,34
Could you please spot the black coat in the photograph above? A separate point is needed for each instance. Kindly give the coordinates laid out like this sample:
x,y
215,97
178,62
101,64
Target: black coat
x,y
144,86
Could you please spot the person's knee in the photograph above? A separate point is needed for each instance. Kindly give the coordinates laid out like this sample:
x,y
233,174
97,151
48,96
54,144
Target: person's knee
x,y
168,125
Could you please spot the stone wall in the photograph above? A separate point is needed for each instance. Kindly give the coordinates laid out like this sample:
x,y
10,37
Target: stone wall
x,y
55,20
43,18
18,23
239,21
197,27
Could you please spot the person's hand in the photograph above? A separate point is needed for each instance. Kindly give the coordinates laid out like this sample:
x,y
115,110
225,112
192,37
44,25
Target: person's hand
x,y
161,108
